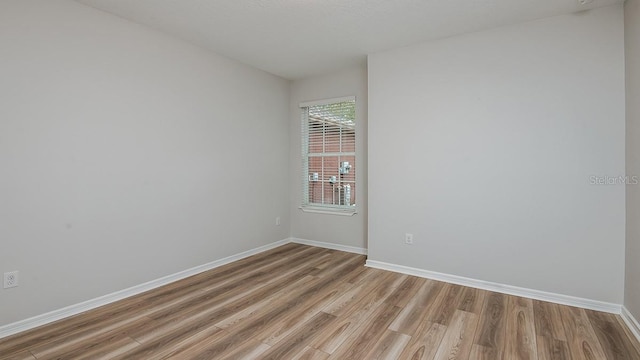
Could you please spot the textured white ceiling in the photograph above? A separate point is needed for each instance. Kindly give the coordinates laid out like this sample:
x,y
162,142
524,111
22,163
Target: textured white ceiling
x,y
298,38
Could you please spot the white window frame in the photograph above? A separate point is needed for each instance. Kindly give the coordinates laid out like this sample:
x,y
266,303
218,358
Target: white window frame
x,y
346,210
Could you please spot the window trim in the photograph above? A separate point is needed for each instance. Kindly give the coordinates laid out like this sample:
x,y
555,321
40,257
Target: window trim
x,y
327,101
318,208
328,210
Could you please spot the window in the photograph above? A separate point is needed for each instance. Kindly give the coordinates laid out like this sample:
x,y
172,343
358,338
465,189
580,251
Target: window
x,y
329,155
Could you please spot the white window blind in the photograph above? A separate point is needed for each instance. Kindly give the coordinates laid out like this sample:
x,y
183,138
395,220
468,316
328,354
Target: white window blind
x,y
329,154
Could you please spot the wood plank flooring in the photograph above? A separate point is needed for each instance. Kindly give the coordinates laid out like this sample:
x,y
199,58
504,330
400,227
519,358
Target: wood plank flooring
x,y
301,302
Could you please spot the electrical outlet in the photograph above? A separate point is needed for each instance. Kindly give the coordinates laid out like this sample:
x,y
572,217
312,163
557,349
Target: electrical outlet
x,y
408,239
10,279
278,221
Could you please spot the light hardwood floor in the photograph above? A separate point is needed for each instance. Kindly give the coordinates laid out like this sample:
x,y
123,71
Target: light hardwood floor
x,y
301,302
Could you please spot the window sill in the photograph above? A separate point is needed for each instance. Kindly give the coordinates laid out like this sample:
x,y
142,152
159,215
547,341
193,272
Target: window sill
x,y
328,211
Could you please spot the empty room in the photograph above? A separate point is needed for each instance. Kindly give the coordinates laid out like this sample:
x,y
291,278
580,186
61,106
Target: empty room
x,y
320,179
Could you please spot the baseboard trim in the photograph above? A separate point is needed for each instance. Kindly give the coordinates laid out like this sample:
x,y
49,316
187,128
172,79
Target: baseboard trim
x,y
501,288
631,322
326,245
43,319
65,312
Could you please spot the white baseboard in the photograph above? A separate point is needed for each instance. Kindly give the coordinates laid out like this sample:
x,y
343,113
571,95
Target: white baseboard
x,y
59,314
631,322
501,288
326,245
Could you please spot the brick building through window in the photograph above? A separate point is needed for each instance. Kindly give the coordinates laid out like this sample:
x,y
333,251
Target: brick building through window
x,y
329,154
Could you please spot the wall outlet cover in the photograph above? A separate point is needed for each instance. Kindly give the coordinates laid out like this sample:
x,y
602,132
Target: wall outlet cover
x,y
10,279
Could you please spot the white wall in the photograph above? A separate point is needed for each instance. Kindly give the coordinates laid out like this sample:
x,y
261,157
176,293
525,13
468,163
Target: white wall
x,y
335,229
127,155
483,145
632,52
